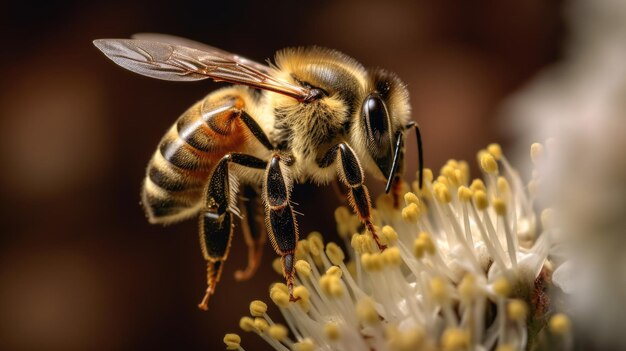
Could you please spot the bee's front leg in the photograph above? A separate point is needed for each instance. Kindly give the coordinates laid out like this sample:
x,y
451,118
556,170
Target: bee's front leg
x,y
216,219
351,175
281,222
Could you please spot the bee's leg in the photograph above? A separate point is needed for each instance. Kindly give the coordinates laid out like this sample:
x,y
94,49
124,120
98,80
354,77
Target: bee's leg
x,y
282,225
351,175
253,231
216,219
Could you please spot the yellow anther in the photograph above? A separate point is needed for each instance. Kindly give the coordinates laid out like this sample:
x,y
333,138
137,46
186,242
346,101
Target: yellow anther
x,y
480,154
334,270
547,216
372,262
427,174
536,152
499,205
279,287
368,243
331,285
502,287
503,185
302,249
495,150
232,341
366,312
392,256
303,268
426,242
477,184
316,243
442,193
261,324
411,198
517,310
465,194
344,223
455,339
352,268
258,308
468,290
488,163
278,332
439,290
408,340
411,213
465,171
334,253
302,293
305,345
480,200
505,347
247,324
389,235
342,214
447,171
357,242
559,324
332,332
456,179
277,266
443,180
279,296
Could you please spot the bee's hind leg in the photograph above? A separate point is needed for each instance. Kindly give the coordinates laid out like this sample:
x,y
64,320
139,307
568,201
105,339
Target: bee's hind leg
x,y
253,229
216,218
351,175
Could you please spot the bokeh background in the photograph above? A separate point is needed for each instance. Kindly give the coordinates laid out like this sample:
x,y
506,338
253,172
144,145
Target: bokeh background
x,y
80,267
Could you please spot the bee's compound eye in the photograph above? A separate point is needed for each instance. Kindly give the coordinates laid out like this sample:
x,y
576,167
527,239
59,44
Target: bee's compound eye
x,y
376,118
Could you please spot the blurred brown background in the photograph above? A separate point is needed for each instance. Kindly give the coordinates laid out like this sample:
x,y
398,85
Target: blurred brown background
x,y
80,268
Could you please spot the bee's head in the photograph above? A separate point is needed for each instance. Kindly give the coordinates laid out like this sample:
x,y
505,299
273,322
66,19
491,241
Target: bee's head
x,y
381,120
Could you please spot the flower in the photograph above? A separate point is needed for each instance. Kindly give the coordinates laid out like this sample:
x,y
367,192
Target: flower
x,y
466,268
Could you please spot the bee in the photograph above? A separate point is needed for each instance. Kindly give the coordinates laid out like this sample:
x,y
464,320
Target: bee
x,y
314,115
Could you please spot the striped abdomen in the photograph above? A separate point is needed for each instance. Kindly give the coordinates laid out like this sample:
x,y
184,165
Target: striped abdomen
x,y
179,169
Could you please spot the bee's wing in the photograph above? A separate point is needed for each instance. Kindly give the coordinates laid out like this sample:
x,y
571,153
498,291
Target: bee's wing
x,y
182,63
172,39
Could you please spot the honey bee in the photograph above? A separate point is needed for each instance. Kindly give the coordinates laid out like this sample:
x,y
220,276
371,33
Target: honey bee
x,y
314,115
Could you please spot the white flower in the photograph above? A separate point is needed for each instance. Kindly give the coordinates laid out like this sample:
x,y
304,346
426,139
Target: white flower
x,y
465,269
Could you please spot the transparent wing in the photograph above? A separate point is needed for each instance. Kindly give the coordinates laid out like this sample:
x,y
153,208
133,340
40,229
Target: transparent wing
x,y
183,63
172,39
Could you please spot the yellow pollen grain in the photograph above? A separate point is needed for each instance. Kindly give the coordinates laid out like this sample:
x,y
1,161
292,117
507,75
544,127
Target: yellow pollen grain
x,y
503,185
455,339
334,253
467,288
277,266
517,310
559,324
232,341
246,324
488,163
303,268
499,206
411,213
258,308
305,345
411,198
365,311
389,235
278,332
439,290
502,287
536,152
392,256
332,332
261,324
334,270
480,200
495,150
478,184
465,194
442,193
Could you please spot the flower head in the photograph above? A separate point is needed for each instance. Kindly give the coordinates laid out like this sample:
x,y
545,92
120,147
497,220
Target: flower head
x,y
465,269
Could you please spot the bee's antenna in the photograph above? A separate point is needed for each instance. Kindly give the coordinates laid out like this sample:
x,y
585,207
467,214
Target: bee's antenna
x,y
420,151
396,161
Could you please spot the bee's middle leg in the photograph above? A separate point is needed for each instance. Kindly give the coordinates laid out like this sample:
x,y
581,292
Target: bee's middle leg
x,y
281,222
216,218
253,229
351,175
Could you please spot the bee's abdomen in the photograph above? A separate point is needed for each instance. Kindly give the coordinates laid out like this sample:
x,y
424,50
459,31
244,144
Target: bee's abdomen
x,y
179,169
